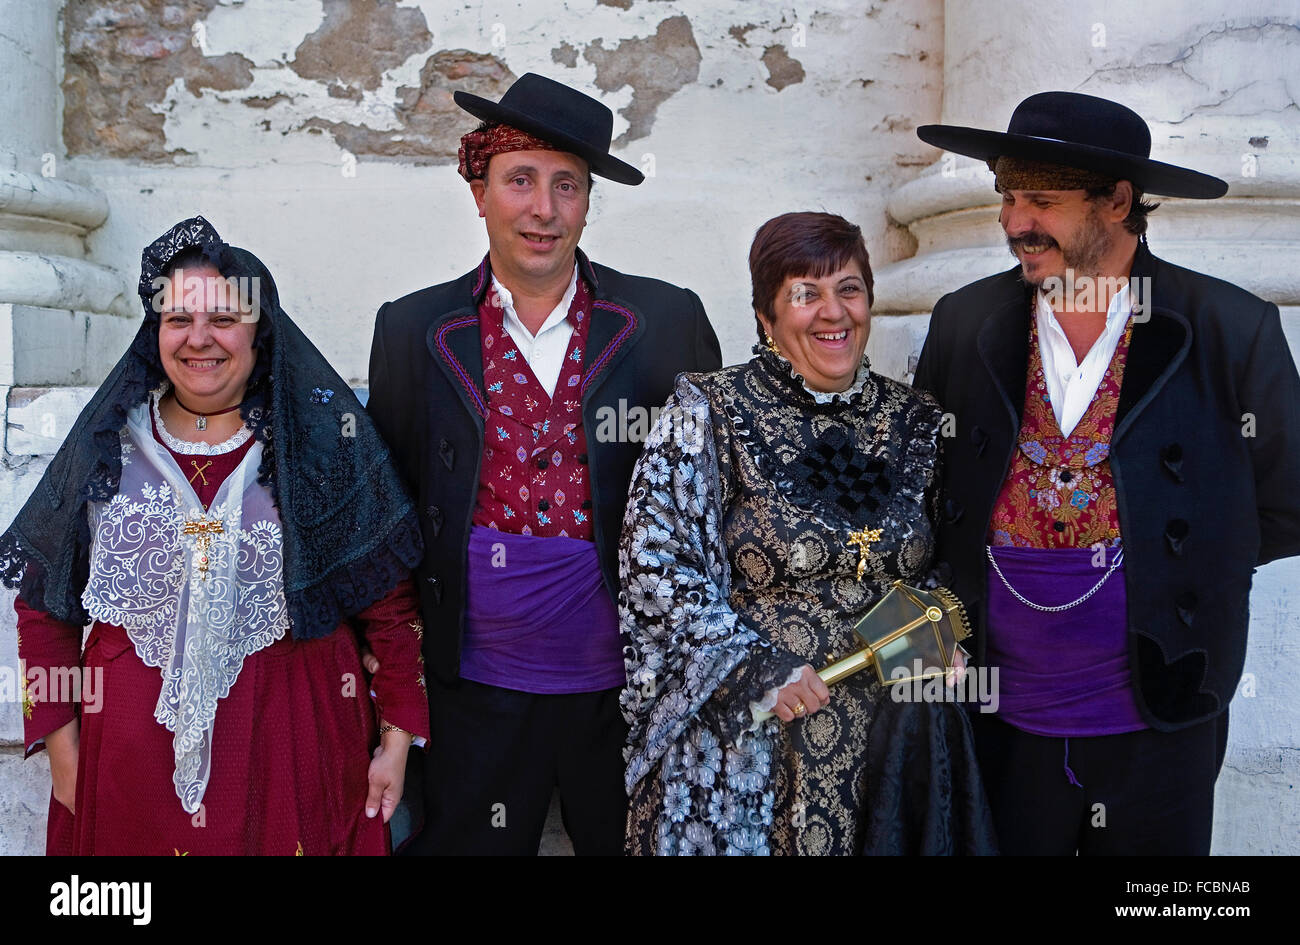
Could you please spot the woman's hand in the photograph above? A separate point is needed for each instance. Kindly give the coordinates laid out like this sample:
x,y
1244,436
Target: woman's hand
x,y
63,746
802,697
369,662
388,774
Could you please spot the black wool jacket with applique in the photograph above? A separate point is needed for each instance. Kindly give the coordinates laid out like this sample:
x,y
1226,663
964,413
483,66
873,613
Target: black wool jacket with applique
x,y
428,401
1205,456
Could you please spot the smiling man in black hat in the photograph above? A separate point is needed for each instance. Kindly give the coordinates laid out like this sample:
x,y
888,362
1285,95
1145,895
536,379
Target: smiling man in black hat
x,y
494,392
1125,452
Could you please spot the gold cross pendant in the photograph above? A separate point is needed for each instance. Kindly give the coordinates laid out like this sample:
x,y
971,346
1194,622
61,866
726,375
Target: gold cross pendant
x,y
863,540
203,529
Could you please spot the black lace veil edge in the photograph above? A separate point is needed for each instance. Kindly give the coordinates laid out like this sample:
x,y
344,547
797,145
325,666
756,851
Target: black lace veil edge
x,y
316,608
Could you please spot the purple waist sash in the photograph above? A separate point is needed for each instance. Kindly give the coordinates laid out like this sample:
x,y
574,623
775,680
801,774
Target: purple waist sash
x,y
1064,673
537,616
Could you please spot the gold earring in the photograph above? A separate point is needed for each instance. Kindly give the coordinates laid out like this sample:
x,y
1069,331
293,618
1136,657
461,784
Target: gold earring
x,y
771,343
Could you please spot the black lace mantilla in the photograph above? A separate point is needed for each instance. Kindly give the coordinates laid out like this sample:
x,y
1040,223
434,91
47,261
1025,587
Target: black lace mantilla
x,y
350,532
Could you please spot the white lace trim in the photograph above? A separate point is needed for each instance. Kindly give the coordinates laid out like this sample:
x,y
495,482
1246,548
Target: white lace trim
x,y
195,624
189,448
831,396
825,396
769,698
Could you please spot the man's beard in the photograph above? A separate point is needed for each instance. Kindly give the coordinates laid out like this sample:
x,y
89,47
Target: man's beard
x,y
1082,258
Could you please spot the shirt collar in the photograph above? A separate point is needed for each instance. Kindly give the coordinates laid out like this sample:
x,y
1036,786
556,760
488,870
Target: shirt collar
x,y
1119,309
558,314
484,277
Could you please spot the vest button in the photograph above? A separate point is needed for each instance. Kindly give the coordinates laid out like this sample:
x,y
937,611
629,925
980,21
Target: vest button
x,y
542,463
1059,526
582,458
543,505
586,504
1066,475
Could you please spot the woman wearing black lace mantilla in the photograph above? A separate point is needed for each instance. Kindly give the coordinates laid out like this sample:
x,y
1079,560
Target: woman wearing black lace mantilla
x,y
775,503
225,515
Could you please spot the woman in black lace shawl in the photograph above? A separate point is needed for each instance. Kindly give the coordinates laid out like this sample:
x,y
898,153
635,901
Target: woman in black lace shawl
x,y
221,511
775,503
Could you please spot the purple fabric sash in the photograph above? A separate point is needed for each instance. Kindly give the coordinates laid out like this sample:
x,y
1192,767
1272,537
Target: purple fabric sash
x,y
1065,673
537,616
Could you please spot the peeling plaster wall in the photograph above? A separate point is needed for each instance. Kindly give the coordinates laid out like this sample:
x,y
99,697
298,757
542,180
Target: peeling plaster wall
x,y
323,136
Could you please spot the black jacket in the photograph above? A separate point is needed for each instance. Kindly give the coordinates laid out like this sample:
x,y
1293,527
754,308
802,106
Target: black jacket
x,y
427,399
1205,456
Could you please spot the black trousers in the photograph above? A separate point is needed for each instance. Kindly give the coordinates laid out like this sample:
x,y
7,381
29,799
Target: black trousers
x,y
1141,793
497,755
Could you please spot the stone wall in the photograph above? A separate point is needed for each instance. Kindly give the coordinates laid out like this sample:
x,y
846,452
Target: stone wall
x,y
323,135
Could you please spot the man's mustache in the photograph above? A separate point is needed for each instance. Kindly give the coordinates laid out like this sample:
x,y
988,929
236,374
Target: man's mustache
x,y
1035,239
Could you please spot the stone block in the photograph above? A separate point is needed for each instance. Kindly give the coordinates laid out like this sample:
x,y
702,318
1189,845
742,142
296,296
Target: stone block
x,y
24,802
38,418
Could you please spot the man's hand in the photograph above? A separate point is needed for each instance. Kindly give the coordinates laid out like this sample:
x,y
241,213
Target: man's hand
x,y
63,746
388,774
802,697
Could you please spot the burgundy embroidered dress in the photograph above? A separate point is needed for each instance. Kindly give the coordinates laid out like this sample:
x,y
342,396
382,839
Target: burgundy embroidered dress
x,y
291,743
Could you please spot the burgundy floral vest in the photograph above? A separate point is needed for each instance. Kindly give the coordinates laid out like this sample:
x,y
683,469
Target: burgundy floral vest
x,y
534,478
1059,492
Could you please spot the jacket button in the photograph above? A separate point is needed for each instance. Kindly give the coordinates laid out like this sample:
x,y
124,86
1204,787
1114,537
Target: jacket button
x,y
447,453
434,515
980,438
1186,604
543,505
1176,534
435,588
1171,457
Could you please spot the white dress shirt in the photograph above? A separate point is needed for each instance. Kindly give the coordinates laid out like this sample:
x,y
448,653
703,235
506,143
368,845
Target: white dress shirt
x,y
545,350
1071,386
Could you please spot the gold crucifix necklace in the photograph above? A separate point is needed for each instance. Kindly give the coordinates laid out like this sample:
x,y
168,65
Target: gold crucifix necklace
x,y
863,540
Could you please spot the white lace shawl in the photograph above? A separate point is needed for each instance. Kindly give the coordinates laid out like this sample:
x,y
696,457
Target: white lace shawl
x,y
145,577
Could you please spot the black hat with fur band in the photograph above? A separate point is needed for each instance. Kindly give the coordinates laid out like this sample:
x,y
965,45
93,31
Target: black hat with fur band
x,y
1079,131
565,117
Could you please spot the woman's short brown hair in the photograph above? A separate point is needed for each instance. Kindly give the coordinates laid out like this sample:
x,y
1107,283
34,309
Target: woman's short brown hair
x,y
803,244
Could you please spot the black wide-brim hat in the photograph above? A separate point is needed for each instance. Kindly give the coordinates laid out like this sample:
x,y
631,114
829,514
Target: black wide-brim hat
x,y
1081,131
560,115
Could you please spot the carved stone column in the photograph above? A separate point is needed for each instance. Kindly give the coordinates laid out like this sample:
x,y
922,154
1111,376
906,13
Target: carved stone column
x,y
63,322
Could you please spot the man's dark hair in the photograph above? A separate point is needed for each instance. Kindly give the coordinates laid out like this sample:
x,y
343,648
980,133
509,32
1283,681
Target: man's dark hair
x,y
803,244
1136,221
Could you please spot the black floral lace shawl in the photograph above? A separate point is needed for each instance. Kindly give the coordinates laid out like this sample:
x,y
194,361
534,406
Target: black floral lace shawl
x,y
350,532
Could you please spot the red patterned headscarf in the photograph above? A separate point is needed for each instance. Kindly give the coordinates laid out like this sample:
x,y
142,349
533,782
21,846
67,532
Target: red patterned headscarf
x,y
477,147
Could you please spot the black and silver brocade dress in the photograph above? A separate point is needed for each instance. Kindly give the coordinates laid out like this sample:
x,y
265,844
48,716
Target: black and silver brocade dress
x,y
737,570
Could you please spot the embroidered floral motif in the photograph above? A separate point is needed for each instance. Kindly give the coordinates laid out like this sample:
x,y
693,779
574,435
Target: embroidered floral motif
x,y
1059,491
541,458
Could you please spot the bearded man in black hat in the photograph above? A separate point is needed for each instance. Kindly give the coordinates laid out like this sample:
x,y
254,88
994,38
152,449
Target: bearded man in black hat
x,y
516,400
1125,451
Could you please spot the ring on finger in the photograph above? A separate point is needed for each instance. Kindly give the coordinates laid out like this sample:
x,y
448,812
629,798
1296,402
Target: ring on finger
x,y
800,708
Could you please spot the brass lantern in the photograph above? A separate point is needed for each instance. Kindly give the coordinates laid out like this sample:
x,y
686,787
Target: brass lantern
x,y
906,625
